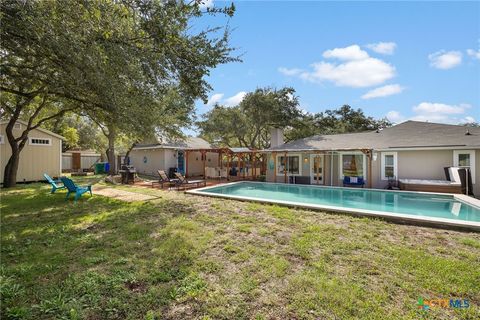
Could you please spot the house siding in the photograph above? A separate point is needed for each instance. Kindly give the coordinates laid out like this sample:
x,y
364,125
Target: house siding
x,y
412,164
155,160
35,160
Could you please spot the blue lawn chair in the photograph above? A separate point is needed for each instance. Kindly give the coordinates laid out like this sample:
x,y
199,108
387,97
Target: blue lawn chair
x,y
54,183
73,188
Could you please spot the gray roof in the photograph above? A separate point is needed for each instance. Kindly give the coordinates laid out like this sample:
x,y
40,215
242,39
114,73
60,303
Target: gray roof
x,y
409,134
188,143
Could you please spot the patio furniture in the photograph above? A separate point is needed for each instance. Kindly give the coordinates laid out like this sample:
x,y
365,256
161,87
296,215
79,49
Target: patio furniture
x,y
183,182
73,188
53,183
353,181
393,184
164,179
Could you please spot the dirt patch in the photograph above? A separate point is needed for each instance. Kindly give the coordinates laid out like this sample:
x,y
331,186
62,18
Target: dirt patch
x,y
122,194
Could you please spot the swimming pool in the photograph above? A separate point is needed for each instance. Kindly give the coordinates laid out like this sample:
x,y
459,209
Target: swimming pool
x,y
444,209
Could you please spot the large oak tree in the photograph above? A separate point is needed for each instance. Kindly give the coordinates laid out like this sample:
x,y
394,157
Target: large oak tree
x,y
114,61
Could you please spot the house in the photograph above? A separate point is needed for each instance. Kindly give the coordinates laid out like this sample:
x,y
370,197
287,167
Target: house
x,y
42,153
410,150
189,156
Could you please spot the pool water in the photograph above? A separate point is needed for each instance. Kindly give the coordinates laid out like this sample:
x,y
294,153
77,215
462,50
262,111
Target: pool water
x,y
411,203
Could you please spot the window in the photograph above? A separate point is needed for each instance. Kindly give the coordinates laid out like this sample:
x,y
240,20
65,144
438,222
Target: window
x,y
389,165
293,165
465,159
2,139
352,165
40,141
17,126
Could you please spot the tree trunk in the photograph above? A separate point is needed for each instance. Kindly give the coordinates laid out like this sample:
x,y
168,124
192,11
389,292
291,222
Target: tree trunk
x,y
111,150
128,153
10,172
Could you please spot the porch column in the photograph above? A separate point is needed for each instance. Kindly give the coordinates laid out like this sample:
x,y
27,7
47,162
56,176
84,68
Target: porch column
x,y
204,157
243,165
186,163
220,162
369,156
317,158
285,167
228,165
254,165
331,168
274,166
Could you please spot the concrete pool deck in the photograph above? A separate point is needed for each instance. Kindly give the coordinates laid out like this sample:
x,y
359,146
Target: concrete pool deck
x,y
396,217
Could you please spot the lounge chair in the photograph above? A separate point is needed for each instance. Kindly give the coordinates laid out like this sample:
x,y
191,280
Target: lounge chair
x,y
73,188
54,183
353,181
183,182
164,179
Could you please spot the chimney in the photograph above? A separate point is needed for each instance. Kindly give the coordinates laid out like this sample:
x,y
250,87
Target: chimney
x,y
277,137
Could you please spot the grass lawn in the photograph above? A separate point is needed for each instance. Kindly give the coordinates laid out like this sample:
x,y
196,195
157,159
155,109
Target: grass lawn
x,y
187,257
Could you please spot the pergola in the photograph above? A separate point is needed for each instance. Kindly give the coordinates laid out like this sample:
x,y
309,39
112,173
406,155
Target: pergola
x,y
367,152
240,154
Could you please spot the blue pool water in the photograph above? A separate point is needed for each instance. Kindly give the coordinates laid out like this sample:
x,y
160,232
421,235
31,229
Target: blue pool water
x,y
411,203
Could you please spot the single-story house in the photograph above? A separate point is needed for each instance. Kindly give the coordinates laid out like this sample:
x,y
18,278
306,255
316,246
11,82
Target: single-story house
x,y
42,153
410,150
189,156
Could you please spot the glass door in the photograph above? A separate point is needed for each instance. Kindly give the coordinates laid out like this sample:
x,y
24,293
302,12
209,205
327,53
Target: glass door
x,y
316,168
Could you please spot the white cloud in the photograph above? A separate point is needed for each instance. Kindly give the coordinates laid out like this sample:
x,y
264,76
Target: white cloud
x,y
290,72
384,91
383,47
215,99
205,4
435,112
474,54
357,73
440,108
234,100
394,116
445,60
356,70
352,52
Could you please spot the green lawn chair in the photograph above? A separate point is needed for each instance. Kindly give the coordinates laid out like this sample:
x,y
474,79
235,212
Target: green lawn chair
x,y
54,183
73,188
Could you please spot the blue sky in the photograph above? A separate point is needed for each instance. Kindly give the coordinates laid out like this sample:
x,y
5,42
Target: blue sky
x,y
403,60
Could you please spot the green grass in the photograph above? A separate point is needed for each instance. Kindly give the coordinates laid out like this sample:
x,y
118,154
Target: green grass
x,y
186,257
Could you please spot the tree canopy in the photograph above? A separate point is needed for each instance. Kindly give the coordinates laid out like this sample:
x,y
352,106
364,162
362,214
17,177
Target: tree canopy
x,y
249,123
117,62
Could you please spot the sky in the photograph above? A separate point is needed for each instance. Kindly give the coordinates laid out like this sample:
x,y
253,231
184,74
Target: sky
x,y
400,60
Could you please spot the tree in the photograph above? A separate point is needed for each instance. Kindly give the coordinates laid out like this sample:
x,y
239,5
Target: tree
x,y
342,120
114,60
249,123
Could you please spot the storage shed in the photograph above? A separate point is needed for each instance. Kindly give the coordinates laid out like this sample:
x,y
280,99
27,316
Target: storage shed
x,y
42,153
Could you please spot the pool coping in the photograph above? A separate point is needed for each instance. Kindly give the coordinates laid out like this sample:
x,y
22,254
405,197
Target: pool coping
x,y
443,222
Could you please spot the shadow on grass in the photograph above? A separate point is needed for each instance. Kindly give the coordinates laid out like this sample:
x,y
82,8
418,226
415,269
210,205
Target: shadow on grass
x,y
98,258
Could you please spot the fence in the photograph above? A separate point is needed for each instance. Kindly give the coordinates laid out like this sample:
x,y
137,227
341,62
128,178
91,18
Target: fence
x,y
72,162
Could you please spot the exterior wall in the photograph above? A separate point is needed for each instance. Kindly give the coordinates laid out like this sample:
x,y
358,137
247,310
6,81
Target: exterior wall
x,y
195,162
35,160
155,160
164,159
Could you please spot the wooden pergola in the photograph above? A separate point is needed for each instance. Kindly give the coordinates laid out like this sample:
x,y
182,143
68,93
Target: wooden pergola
x,y
241,155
